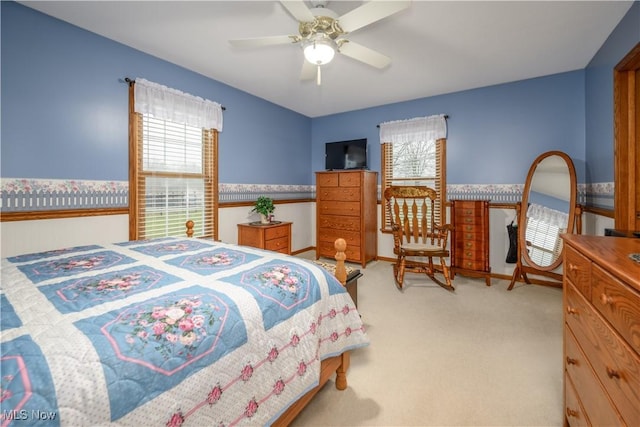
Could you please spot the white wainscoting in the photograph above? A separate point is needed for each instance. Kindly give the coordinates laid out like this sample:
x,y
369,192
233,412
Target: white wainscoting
x,y
20,237
23,237
302,215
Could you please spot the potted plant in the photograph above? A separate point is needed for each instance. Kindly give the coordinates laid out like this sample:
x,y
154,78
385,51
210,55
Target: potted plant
x,y
265,207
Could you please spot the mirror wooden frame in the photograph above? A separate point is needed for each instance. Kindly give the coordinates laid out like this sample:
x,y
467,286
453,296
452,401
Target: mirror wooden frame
x,y
524,263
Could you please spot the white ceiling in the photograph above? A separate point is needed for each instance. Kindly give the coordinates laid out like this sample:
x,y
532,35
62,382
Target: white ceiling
x,y
436,47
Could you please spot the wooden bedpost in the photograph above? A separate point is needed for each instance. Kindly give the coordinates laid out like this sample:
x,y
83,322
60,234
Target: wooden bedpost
x,y
189,224
341,275
341,272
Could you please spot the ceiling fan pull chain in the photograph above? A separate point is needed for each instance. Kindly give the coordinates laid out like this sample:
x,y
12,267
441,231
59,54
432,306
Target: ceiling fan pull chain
x,y
319,76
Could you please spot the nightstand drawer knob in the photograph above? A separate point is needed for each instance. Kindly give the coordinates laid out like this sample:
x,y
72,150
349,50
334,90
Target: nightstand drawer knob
x,y
571,361
571,310
605,299
572,413
612,373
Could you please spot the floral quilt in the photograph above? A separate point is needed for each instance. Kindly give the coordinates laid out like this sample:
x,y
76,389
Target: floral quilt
x,y
165,332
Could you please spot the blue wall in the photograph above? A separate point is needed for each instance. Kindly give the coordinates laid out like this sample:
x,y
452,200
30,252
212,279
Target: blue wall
x,y
599,95
64,114
65,104
494,133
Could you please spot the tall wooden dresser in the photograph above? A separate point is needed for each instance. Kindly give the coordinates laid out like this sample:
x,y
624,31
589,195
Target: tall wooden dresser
x,y
601,299
347,207
470,239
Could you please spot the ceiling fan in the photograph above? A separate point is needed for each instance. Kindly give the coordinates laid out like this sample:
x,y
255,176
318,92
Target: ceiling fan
x,y
322,33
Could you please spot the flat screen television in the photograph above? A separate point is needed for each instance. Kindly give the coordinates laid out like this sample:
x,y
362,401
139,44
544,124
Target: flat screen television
x,y
351,154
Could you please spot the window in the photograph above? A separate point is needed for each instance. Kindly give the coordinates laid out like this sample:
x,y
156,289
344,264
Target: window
x,y
413,153
173,178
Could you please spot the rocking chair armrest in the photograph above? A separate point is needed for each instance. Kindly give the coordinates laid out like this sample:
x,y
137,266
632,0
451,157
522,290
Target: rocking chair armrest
x,y
397,233
447,227
443,231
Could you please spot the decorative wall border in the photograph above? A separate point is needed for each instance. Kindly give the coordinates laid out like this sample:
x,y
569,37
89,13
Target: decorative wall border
x,y
497,193
600,195
250,192
27,194
512,193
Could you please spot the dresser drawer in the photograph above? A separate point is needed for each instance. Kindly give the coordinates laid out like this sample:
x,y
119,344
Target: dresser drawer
x,y
618,303
326,249
577,268
471,265
342,208
466,228
276,232
470,255
339,222
614,363
463,210
477,235
462,220
573,410
600,411
330,235
350,179
470,245
342,194
326,180
280,244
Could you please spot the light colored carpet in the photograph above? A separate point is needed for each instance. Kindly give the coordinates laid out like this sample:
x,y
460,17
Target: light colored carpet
x,y
479,356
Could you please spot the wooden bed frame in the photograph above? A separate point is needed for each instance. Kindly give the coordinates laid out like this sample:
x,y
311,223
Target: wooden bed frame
x,y
338,364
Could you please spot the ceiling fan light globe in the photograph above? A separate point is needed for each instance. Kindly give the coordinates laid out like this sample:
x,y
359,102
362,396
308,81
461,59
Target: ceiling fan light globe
x,y
319,52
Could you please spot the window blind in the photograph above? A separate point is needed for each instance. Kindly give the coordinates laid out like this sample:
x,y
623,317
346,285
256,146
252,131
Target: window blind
x,y
176,178
414,163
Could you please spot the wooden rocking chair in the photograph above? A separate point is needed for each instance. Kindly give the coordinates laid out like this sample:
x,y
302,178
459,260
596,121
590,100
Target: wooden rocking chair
x,y
417,237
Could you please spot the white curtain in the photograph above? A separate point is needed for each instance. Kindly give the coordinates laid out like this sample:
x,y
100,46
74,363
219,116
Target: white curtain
x,y
548,216
173,105
416,129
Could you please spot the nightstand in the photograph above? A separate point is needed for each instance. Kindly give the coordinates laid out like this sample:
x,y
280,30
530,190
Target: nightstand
x,y
275,236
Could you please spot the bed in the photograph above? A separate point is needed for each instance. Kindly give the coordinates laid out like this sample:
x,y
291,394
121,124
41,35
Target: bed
x,y
171,331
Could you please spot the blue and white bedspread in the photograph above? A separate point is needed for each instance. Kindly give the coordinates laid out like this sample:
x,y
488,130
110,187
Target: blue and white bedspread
x,y
165,332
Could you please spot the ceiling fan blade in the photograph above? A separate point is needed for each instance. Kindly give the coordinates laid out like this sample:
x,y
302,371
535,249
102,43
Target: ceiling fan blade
x,y
263,41
369,13
308,71
364,54
298,10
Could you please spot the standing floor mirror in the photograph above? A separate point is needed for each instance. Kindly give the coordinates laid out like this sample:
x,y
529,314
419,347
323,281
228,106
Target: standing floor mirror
x,y
548,209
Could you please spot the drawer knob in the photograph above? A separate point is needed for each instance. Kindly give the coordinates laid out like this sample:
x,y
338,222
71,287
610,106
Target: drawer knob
x,y
605,299
572,412
571,361
469,244
612,373
572,267
571,310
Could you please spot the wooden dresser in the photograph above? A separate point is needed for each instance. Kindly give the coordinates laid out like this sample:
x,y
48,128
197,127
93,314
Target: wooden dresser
x,y
601,331
470,238
347,207
274,237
